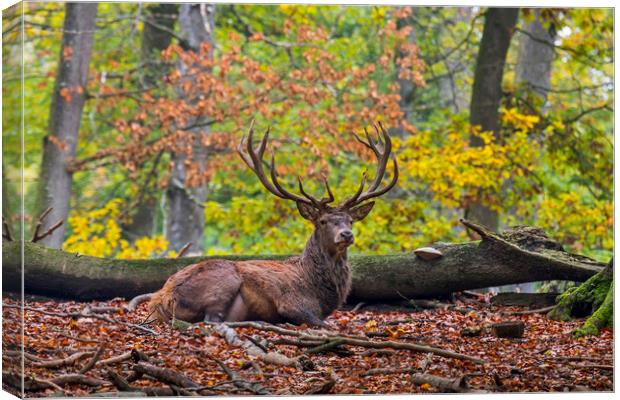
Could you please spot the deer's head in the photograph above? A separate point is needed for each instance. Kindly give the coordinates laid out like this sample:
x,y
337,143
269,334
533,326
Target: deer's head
x,y
332,223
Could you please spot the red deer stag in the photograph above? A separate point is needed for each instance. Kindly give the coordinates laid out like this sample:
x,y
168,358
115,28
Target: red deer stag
x,y
303,289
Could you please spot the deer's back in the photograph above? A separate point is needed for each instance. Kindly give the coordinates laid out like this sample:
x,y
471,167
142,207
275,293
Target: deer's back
x,y
212,287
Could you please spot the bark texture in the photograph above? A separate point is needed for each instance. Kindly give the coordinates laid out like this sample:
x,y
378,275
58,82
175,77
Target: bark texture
x,y
59,146
536,53
453,96
521,255
159,21
185,213
487,94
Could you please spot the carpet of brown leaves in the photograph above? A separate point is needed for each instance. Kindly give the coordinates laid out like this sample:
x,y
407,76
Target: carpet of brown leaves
x,y
546,359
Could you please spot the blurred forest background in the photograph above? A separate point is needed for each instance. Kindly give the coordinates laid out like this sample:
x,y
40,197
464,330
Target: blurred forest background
x,y
502,115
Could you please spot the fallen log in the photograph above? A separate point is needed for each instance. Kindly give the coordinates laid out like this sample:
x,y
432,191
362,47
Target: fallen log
x,y
522,254
531,300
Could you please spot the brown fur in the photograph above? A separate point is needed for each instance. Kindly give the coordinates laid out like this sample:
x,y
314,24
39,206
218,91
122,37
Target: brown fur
x,y
302,289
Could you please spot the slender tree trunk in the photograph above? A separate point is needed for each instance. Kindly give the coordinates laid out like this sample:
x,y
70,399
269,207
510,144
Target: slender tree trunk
x,y
536,54
406,86
533,74
156,36
487,90
59,146
452,95
185,214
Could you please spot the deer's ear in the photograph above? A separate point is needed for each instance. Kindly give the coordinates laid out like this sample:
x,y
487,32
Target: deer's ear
x,y
308,212
360,212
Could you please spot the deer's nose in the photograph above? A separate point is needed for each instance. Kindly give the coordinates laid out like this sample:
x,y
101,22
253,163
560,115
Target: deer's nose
x,y
347,236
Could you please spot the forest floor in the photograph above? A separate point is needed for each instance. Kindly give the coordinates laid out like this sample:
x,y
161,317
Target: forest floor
x,y
84,348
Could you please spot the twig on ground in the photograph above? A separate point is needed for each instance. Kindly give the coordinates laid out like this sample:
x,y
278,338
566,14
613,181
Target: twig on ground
x,y
82,315
326,346
536,311
91,363
62,362
253,387
123,385
101,310
358,306
231,337
116,359
456,385
389,371
324,387
18,353
34,384
257,343
164,375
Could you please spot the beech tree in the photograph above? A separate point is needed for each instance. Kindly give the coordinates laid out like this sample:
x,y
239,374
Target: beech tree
x,y
487,91
185,209
65,116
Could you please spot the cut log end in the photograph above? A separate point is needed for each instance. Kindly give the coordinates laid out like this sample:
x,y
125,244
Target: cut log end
x,y
509,329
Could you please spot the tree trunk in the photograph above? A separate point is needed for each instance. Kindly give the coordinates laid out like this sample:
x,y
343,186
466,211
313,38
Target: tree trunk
x,y
156,36
406,86
520,255
536,53
454,97
487,90
59,146
185,220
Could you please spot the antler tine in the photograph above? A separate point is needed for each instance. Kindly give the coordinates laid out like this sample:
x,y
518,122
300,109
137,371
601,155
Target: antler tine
x,y
379,133
370,195
382,158
330,197
353,199
315,202
286,194
254,161
370,144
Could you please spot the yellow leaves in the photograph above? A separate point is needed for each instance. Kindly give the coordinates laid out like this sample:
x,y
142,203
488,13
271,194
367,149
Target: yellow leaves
x,y
425,386
577,222
97,233
372,324
522,122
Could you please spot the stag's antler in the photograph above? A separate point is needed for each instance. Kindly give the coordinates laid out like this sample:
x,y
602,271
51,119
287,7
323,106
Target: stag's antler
x,y
382,158
254,160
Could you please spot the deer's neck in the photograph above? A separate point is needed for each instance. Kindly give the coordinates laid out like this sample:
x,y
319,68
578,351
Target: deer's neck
x,y
327,273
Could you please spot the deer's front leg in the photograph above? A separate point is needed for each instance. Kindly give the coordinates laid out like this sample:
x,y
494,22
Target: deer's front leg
x,y
299,314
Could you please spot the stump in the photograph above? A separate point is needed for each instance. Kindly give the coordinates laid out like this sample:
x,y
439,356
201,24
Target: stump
x,y
509,329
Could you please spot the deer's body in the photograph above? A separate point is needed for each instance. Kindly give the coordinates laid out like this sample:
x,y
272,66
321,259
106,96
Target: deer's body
x,y
303,289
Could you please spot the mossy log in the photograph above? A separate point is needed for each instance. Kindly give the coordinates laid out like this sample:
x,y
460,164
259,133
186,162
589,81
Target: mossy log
x,y
593,298
522,254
